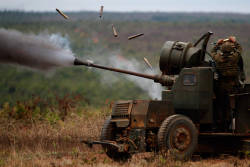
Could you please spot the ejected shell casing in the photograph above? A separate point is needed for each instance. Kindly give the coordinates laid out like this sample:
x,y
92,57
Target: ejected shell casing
x,y
147,62
101,11
135,36
114,31
62,14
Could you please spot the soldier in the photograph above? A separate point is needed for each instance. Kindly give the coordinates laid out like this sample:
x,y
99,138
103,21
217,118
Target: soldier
x,y
229,66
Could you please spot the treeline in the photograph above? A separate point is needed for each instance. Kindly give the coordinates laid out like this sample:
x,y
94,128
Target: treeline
x,y
20,16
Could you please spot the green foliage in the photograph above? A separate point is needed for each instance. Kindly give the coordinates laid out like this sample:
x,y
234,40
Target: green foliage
x,y
37,109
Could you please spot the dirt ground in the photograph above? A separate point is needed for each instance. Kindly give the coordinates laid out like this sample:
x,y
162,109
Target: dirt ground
x,y
42,144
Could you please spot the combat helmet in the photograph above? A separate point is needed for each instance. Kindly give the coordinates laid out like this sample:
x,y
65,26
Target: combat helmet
x,y
227,45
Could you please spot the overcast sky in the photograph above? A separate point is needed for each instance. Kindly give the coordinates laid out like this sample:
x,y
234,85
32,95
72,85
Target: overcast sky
x,y
239,6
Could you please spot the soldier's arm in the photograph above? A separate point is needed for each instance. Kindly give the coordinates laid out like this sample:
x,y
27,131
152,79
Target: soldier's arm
x,y
238,48
216,48
214,51
241,66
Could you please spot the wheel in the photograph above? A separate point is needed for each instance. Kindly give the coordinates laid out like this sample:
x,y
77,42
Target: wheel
x,y
179,135
109,133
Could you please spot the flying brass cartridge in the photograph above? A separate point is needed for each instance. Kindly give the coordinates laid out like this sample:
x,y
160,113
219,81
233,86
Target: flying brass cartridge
x,y
114,31
101,11
135,36
147,62
62,14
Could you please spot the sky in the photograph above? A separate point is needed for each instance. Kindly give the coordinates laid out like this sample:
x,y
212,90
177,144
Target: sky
x,y
236,6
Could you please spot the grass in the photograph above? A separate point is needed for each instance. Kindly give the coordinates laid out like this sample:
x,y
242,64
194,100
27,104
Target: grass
x,y
41,142
97,159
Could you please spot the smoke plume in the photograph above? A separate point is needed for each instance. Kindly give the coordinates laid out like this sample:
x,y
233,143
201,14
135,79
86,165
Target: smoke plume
x,y
42,52
45,52
153,89
114,59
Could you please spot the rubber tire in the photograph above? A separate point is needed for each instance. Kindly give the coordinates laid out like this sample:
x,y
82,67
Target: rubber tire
x,y
108,133
164,138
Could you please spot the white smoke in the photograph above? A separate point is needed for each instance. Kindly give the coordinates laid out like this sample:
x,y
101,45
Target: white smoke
x,y
59,40
115,60
43,52
47,51
153,89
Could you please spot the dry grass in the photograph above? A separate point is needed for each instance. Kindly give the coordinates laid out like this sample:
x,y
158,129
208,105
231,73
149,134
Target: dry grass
x,y
45,144
95,158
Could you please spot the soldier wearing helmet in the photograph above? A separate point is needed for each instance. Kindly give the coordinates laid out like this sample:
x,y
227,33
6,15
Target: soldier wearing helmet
x,y
229,66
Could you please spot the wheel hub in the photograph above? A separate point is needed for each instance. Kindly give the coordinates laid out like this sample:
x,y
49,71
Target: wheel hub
x,y
181,138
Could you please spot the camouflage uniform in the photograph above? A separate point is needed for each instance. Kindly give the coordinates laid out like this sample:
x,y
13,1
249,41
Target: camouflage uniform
x,y
229,66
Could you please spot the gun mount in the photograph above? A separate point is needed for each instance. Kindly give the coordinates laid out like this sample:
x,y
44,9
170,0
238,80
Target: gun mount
x,y
187,110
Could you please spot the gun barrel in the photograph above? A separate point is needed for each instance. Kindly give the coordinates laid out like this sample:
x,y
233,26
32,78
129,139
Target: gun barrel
x,y
162,79
90,64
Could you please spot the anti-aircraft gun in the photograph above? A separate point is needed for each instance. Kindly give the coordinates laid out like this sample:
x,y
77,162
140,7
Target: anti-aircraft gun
x,y
182,122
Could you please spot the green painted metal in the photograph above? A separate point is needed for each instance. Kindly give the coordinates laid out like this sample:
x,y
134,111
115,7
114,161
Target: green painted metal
x,y
193,93
177,55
